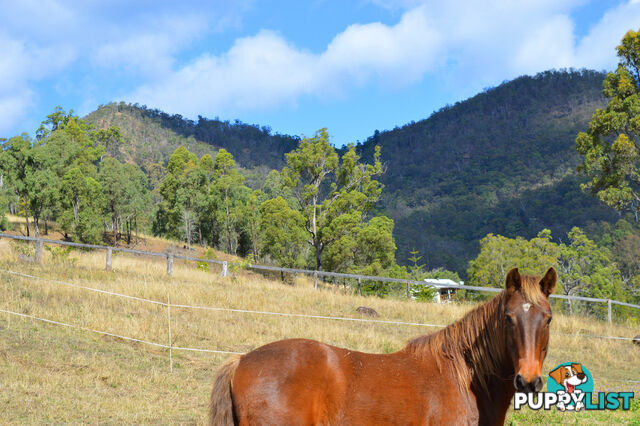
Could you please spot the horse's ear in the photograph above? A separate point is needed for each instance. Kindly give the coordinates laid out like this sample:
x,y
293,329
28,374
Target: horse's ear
x,y
548,282
513,280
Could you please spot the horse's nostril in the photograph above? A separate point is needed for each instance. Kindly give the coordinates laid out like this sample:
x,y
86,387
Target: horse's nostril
x,y
519,383
522,385
537,384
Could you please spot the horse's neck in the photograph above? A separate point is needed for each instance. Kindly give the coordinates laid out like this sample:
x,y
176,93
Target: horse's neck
x,y
493,387
493,390
494,401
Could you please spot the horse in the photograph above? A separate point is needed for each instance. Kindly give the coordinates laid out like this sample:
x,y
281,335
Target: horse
x,y
466,373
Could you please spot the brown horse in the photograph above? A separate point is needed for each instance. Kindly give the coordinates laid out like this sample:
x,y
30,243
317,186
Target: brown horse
x,y
466,373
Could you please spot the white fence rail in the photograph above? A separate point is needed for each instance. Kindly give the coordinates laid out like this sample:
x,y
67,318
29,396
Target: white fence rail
x,y
39,244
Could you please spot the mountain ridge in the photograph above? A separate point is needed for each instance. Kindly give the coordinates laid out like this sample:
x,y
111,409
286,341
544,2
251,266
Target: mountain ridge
x,y
502,161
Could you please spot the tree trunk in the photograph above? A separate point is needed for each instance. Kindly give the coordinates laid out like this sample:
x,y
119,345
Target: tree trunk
x,y
228,229
26,212
318,248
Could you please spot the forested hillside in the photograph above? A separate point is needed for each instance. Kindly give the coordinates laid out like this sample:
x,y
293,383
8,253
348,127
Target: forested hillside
x,y
151,136
502,162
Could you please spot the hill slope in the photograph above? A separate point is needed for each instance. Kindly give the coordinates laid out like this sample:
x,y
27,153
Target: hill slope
x,y
152,136
501,162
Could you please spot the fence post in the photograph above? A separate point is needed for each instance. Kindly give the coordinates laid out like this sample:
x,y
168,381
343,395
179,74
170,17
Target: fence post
x,y
295,279
38,255
108,267
225,269
408,290
170,346
170,264
315,280
609,309
359,286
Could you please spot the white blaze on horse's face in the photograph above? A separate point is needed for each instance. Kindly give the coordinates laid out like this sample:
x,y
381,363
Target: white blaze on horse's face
x,y
526,307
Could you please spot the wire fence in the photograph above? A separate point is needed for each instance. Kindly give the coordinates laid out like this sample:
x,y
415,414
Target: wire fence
x,y
601,308
170,347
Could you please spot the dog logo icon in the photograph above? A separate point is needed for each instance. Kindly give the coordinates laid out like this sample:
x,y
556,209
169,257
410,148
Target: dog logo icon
x,y
570,380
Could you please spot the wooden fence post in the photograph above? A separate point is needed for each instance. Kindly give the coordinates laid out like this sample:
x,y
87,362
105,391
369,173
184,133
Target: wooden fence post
x,y
39,249
170,264
315,280
609,309
108,267
408,291
225,269
359,286
295,279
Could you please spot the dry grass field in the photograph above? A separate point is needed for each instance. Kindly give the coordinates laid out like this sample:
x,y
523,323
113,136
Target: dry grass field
x,y
55,374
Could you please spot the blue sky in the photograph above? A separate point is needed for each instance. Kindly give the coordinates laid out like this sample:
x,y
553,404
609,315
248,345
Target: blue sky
x,y
352,66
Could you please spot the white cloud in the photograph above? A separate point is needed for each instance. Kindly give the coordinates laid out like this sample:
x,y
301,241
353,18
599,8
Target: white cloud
x,y
597,48
151,50
266,71
550,46
476,42
39,39
13,108
23,63
471,43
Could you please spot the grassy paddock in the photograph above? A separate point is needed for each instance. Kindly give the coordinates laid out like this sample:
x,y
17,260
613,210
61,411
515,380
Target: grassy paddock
x,y
50,373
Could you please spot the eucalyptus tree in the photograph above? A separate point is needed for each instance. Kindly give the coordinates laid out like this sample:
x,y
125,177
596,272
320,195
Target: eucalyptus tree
x,y
328,187
611,145
16,161
227,192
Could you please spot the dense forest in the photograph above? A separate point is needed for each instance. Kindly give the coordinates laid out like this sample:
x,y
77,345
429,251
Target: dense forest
x,y
502,162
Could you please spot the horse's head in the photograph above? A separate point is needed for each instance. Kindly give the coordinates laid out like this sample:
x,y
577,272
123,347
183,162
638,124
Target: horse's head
x,y
527,317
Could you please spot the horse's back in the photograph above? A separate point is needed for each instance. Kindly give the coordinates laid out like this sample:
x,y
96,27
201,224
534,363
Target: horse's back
x,y
302,381
287,382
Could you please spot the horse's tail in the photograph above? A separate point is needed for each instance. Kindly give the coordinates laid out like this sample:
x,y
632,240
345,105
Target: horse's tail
x,y
221,405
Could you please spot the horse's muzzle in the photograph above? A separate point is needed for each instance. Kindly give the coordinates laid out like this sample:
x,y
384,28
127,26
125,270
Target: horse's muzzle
x,y
522,385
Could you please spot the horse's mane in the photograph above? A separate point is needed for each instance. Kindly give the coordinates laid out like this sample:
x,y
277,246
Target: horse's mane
x,y
475,344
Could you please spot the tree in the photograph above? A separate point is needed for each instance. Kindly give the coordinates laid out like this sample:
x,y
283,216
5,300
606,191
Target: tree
x,y
329,190
416,270
227,193
611,146
282,233
587,270
111,139
499,254
169,220
251,221
17,165
126,195
82,205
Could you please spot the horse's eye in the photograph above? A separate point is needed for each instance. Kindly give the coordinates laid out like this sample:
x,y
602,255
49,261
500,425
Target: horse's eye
x,y
510,320
549,320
